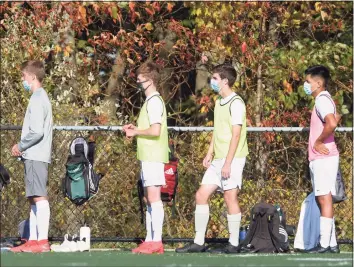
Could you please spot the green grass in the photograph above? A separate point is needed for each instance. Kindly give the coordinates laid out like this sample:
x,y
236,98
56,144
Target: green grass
x,y
171,259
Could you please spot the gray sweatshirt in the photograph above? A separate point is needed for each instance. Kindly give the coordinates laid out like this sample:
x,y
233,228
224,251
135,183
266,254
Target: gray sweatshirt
x,y
37,129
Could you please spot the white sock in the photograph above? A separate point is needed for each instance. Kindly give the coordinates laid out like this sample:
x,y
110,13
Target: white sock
x,y
43,214
157,216
33,223
333,241
325,231
234,222
201,219
148,237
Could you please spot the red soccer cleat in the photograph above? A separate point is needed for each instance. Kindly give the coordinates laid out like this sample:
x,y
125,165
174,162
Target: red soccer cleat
x,y
26,245
41,246
141,246
153,247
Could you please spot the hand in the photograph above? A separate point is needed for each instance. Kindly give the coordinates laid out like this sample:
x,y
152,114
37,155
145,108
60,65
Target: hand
x,y
128,126
130,133
15,151
204,59
207,160
226,170
321,148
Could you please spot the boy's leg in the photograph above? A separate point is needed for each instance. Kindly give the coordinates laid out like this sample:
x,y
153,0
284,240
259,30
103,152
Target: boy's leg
x,y
231,187
323,175
148,220
201,216
233,216
36,188
33,221
157,211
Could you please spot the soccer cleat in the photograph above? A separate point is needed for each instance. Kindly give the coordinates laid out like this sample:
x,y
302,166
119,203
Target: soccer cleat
x,y
41,246
228,249
191,248
26,245
152,247
319,249
334,249
142,245
231,249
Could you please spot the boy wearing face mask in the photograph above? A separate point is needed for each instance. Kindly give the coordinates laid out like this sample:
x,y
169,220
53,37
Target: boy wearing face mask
x,y
35,148
224,161
152,151
323,153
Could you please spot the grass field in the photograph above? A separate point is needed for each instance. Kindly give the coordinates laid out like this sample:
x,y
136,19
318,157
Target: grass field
x,y
171,259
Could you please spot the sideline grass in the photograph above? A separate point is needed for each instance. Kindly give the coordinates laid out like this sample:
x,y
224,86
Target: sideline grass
x,y
171,259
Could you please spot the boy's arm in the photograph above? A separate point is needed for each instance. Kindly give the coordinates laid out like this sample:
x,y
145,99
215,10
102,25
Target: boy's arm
x,y
236,132
329,127
209,156
153,130
36,124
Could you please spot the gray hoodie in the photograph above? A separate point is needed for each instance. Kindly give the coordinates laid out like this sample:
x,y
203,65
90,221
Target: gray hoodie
x,y
37,129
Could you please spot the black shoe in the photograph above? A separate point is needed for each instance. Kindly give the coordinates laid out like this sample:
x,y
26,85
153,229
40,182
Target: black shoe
x,y
247,249
191,248
230,249
319,249
334,249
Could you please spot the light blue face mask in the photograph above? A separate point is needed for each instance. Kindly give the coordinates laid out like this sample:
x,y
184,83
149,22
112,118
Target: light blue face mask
x,y
26,85
307,88
214,85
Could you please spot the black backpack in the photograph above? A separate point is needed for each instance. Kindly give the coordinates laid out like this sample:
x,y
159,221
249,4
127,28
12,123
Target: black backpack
x,y
80,182
267,233
4,177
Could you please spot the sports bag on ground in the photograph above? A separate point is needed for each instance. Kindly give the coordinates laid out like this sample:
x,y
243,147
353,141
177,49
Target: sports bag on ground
x,y
266,234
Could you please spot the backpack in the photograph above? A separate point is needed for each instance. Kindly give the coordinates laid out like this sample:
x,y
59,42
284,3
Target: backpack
x,y
168,191
80,182
267,234
4,177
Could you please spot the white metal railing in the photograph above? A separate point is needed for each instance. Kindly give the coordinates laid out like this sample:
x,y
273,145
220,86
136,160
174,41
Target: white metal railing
x,y
177,128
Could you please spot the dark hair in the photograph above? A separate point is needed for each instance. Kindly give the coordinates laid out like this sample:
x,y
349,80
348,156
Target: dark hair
x,y
35,67
319,71
150,70
226,71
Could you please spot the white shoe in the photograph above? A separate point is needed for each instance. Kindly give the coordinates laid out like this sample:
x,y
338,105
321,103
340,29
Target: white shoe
x,y
66,246
83,245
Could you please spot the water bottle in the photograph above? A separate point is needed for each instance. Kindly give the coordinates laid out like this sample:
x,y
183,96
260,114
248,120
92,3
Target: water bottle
x,y
85,235
280,212
243,233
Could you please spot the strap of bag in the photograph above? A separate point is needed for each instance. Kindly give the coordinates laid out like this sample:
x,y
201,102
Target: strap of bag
x,y
318,113
141,196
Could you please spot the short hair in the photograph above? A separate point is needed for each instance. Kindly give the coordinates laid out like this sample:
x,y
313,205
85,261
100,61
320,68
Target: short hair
x,y
319,71
150,70
226,71
35,67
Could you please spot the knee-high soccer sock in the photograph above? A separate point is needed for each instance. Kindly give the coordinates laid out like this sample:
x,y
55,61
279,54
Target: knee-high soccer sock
x,y
201,219
148,220
33,223
333,241
43,214
157,216
325,231
234,222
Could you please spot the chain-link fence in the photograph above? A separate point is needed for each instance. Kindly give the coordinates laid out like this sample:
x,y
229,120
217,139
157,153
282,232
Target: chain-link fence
x,y
276,171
